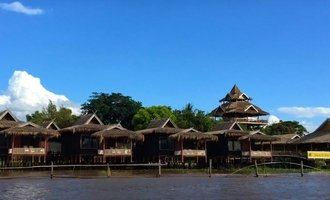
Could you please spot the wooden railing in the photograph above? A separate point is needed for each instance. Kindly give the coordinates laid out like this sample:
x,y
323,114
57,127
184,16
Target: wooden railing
x,y
115,152
27,151
190,152
257,154
261,121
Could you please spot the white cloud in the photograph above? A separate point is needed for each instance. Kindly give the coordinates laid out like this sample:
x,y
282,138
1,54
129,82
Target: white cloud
x,y
306,112
310,127
20,8
272,119
25,95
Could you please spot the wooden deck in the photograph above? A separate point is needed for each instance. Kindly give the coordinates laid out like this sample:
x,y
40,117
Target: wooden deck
x,y
115,152
27,151
257,154
190,153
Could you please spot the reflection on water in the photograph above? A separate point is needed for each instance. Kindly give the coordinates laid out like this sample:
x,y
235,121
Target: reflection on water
x,y
291,186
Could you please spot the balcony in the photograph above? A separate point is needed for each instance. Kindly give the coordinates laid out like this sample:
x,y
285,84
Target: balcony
x,y
257,154
252,121
115,152
27,151
190,153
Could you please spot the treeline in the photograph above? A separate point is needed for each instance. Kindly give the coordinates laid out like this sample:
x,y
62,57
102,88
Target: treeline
x,y
117,108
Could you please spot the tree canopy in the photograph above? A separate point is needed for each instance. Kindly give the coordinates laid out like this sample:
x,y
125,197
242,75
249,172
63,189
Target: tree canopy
x,y
143,117
112,108
189,117
285,127
63,117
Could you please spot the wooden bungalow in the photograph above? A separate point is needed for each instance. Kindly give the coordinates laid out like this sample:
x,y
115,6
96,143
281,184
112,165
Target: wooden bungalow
x,y
227,149
157,145
78,145
7,120
116,144
319,140
28,143
236,106
285,145
251,150
191,144
54,144
236,132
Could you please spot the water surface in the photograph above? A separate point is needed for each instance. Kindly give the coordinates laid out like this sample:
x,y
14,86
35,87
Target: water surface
x,y
288,186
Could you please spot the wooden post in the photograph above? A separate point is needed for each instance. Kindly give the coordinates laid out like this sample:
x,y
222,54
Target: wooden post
x,y
108,170
51,170
131,150
301,168
159,168
182,152
103,148
271,151
250,150
205,147
210,168
256,167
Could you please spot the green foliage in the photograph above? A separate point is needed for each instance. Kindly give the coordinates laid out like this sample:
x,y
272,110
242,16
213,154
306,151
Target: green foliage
x,y
286,127
320,164
189,117
63,117
112,108
143,117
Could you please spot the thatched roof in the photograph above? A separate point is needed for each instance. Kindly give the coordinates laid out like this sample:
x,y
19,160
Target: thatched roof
x,y
162,123
238,109
161,126
258,136
192,134
4,124
85,128
320,135
88,124
117,131
30,129
88,119
50,125
227,125
236,104
235,94
6,115
286,138
228,133
167,131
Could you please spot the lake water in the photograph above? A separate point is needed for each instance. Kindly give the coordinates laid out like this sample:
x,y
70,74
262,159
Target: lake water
x,y
283,186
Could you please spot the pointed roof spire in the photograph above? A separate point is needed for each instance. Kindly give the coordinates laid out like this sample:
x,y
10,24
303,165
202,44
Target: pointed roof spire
x,y
235,94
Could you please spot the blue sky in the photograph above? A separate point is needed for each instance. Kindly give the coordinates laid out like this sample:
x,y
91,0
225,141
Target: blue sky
x,y
174,52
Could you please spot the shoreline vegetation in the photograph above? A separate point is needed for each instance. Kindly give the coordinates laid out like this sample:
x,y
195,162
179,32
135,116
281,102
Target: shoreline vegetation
x,y
87,172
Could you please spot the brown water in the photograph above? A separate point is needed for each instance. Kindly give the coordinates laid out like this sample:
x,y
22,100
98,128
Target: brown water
x,y
288,186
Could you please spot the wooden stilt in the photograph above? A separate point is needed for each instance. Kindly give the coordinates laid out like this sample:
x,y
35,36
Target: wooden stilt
x,y
256,168
210,168
51,170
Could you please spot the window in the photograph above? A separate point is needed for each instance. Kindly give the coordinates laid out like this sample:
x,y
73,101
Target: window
x,y
3,141
88,142
165,143
234,145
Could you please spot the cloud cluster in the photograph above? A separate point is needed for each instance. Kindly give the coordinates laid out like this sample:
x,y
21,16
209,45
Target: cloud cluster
x,y
25,95
306,112
20,8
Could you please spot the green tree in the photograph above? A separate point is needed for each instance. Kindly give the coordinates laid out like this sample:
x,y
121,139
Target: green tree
x,y
285,127
189,117
143,117
112,108
63,117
